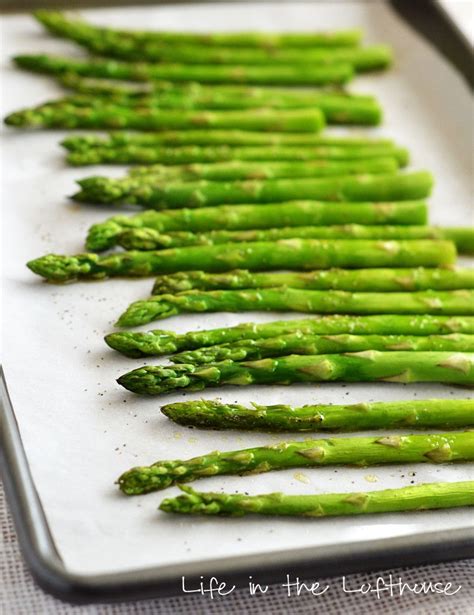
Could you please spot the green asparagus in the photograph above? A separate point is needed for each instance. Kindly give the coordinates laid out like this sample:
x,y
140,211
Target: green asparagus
x,y
428,496
295,213
302,343
368,451
133,154
239,170
163,195
338,107
355,280
149,239
158,307
61,25
150,118
218,137
158,342
114,45
279,74
436,413
285,253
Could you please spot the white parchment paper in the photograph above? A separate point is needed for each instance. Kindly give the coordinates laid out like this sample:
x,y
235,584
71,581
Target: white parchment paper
x,y
79,428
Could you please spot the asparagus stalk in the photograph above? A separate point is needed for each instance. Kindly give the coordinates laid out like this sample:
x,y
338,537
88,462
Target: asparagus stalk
x,y
158,342
77,30
158,307
428,496
435,413
133,154
218,137
303,343
296,213
337,107
279,74
149,239
161,195
152,118
286,253
354,280
366,366
368,451
239,170
114,45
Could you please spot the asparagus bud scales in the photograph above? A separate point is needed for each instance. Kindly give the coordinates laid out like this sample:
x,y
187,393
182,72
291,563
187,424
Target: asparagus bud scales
x,y
296,74
429,448
307,301
159,342
289,253
437,413
366,366
368,280
414,498
303,343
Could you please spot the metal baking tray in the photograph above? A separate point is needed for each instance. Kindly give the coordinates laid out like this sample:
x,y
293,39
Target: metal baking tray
x,y
44,556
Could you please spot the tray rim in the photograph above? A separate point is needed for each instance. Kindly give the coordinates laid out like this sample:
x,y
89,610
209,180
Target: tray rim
x,y
35,538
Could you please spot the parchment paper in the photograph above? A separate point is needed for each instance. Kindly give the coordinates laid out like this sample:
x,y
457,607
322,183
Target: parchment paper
x,y
79,428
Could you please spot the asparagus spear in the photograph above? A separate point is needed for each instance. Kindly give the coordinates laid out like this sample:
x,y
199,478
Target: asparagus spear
x,y
132,154
428,496
295,213
161,195
286,253
158,307
355,280
338,107
218,137
114,45
303,343
158,342
149,239
429,448
436,413
293,74
59,24
366,366
151,118
239,170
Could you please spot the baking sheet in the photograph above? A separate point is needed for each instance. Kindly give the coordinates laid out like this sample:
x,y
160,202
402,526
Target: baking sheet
x,y
80,430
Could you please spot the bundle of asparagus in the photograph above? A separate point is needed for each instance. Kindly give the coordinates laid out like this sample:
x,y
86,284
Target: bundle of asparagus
x,y
159,342
427,448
